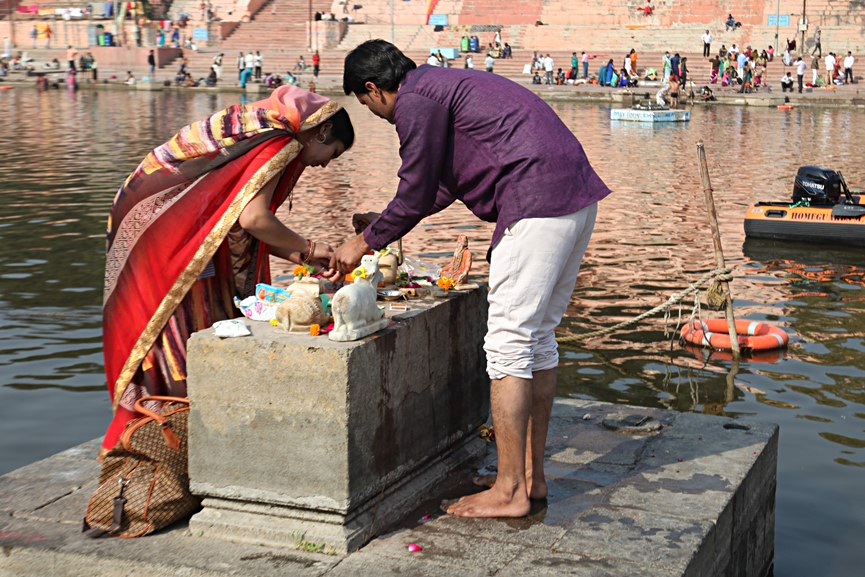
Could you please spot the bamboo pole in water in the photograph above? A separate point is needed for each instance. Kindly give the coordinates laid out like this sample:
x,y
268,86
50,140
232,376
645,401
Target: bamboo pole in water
x,y
719,251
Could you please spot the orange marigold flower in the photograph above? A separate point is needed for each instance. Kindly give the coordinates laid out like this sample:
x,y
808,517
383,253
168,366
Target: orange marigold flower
x,y
315,330
299,271
349,277
445,283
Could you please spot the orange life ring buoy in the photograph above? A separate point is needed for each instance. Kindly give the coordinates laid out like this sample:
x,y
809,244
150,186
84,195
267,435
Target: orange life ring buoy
x,y
784,107
753,335
707,355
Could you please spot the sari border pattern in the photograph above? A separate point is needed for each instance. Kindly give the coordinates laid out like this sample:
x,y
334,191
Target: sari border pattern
x,y
326,111
132,227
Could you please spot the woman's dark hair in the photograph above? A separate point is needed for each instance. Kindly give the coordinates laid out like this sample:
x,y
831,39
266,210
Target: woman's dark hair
x,y
375,61
341,129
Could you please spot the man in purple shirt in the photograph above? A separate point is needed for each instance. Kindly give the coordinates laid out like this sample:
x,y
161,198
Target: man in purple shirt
x,y
500,150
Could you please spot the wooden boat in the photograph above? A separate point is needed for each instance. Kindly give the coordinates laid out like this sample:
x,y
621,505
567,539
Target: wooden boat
x,y
650,114
818,214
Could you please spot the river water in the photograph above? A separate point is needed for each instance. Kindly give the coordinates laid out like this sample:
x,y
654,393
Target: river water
x,y
64,156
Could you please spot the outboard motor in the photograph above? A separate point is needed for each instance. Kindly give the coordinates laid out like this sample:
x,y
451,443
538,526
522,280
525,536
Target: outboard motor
x,y
818,186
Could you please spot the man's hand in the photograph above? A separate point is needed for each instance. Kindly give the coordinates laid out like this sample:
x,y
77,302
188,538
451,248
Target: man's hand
x,y
346,258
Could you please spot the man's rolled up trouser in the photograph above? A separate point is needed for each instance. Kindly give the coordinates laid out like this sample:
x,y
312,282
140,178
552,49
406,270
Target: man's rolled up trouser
x,y
533,271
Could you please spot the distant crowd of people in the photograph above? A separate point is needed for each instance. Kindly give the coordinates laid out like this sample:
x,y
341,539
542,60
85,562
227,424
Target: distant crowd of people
x,y
743,69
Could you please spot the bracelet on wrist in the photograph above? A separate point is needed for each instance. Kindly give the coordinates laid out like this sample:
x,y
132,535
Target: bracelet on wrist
x,y
310,249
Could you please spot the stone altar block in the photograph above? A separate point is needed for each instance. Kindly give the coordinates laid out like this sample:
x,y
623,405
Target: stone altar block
x,y
301,441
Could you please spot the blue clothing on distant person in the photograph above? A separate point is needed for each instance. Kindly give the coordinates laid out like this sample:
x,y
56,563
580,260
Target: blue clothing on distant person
x,y
244,76
674,64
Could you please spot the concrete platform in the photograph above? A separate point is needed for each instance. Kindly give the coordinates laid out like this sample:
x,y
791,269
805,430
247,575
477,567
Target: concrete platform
x,y
680,494
331,442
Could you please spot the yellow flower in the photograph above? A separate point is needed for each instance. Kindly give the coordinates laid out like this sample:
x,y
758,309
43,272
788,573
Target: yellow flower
x,y
315,330
359,272
445,283
274,323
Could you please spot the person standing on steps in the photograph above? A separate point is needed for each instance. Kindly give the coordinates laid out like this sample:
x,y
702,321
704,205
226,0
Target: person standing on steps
x,y
258,60
818,44
707,44
801,67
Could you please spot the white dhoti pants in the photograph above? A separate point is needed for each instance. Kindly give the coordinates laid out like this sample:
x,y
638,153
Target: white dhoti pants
x,y
533,270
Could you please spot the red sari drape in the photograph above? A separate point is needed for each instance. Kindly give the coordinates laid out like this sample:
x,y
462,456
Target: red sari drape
x,y
176,210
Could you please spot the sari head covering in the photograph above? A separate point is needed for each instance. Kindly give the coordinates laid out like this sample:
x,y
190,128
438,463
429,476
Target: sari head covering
x,y
176,209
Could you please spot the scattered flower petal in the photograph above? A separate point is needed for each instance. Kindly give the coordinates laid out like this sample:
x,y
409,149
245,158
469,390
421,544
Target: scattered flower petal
x,y
414,547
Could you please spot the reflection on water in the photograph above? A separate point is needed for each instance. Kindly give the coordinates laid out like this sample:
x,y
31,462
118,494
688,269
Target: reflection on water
x,y
70,152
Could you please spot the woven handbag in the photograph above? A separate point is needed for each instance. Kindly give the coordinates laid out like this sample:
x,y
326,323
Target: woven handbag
x,y
144,482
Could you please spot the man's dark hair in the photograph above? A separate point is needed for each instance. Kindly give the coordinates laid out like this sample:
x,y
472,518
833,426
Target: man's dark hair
x,y
342,129
375,61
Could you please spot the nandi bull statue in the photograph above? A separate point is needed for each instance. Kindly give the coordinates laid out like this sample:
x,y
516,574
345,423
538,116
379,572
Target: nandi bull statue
x,y
355,313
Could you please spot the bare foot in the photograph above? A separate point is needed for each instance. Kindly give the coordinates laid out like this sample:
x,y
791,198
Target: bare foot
x,y
537,487
491,503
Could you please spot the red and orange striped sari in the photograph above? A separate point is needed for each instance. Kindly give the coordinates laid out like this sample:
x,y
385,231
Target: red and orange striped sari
x,y
175,254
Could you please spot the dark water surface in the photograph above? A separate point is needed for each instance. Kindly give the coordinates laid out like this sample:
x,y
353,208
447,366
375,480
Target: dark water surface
x,y
65,155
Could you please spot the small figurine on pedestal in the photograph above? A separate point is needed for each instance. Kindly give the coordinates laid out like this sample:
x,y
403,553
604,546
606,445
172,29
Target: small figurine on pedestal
x,y
388,259
306,285
388,265
461,263
355,312
300,312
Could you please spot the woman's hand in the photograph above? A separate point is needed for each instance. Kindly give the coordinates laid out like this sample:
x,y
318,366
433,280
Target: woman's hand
x,y
320,261
321,255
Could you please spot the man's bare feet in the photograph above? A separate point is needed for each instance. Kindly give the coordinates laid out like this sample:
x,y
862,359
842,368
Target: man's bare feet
x,y
537,487
490,503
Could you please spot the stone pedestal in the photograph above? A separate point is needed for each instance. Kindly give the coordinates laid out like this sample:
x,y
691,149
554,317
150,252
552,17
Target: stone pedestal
x,y
301,441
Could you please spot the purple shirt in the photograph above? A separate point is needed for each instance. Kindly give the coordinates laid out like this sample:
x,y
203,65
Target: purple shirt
x,y
484,140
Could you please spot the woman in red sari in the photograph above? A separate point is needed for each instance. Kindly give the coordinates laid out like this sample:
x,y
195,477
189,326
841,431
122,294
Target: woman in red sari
x,y
194,226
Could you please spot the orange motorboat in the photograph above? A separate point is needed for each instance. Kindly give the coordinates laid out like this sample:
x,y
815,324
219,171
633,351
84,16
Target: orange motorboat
x,y
822,211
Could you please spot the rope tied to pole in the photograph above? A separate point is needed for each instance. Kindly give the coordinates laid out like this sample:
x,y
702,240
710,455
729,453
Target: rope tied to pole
x,y
693,288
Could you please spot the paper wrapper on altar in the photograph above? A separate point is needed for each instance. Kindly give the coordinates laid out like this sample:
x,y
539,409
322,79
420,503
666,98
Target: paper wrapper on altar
x,y
256,309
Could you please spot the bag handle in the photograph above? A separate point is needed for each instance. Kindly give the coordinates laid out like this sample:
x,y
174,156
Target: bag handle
x,y
170,438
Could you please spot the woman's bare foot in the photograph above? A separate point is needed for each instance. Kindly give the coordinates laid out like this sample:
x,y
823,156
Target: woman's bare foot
x,y
537,487
491,503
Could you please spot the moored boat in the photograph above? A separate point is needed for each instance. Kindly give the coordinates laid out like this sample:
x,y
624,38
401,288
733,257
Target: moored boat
x,y
647,112
822,211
